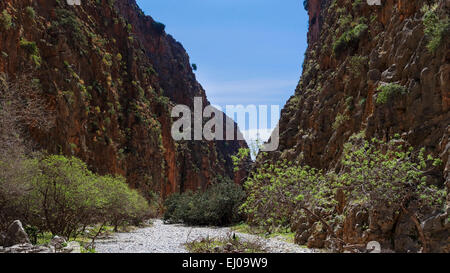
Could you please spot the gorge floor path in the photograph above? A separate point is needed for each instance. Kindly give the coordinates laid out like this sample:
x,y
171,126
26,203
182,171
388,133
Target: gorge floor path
x,y
165,238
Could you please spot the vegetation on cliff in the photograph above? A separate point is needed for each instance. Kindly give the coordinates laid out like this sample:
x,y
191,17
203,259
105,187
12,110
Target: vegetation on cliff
x,y
379,69
436,28
373,176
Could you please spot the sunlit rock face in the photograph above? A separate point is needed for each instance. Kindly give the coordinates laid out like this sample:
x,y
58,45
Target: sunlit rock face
x,y
111,75
391,48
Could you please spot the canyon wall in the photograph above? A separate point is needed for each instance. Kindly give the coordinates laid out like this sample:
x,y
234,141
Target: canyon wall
x,y
338,93
110,76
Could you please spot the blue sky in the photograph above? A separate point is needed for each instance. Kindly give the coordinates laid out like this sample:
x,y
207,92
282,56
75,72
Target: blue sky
x,y
247,51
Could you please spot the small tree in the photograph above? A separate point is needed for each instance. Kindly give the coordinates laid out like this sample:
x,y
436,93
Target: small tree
x,y
66,197
374,174
218,205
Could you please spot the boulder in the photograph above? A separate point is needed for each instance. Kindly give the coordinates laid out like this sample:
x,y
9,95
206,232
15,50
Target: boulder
x,y
26,248
16,235
58,242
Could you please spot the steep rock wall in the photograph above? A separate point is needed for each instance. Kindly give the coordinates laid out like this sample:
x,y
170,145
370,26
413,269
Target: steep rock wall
x,y
336,96
110,75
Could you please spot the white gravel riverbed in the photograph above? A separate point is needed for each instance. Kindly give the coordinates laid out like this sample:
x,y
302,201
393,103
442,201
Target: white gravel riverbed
x,y
162,238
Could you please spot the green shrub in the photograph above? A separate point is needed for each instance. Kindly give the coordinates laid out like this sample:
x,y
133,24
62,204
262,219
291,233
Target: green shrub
x,y
32,50
340,120
218,205
374,174
5,20
64,197
388,91
68,21
435,28
121,204
28,46
349,38
230,244
30,12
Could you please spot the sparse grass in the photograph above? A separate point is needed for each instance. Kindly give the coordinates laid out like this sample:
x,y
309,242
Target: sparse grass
x,y
230,244
85,238
217,206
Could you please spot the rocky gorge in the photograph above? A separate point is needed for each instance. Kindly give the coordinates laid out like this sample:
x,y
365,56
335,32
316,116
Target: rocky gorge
x,y
109,75
354,50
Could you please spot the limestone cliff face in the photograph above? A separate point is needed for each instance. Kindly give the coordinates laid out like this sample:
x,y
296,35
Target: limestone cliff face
x,y
111,75
392,49
336,96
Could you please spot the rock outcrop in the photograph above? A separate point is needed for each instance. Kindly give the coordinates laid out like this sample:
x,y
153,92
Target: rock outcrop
x,y
15,235
18,242
354,48
110,75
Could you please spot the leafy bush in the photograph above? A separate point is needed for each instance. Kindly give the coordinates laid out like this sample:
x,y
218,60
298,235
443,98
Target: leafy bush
x,y
64,197
5,20
435,28
388,91
274,190
120,204
391,177
374,174
349,38
218,205
52,193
